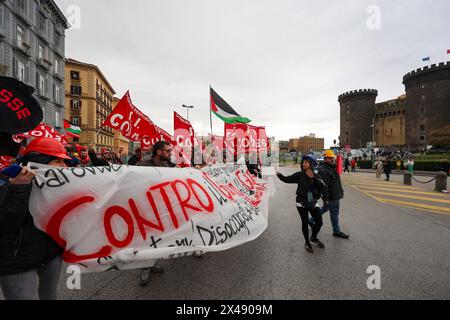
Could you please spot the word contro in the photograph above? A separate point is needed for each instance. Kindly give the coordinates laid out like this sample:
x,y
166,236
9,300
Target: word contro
x,y
197,200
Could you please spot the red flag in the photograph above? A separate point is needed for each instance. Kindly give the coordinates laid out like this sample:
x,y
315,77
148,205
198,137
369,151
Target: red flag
x,y
42,131
147,142
183,139
129,120
184,132
5,162
448,51
230,140
242,139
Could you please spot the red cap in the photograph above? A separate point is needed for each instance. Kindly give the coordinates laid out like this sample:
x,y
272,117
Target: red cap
x,y
48,147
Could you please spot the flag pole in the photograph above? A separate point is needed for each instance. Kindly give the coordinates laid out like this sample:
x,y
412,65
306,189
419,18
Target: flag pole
x,y
210,113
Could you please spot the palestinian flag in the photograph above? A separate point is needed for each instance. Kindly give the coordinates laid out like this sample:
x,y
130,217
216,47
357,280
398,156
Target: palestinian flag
x,y
71,130
224,111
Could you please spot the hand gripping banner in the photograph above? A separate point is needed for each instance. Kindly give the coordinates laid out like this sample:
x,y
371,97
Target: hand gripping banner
x,y
123,217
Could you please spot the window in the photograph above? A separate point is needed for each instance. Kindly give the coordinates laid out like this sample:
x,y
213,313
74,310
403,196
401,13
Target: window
x,y
422,127
75,104
57,40
424,97
57,94
21,5
57,119
76,121
392,131
42,22
422,138
422,110
20,70
40,52
56,66
74,75
40,84
75,90
20,36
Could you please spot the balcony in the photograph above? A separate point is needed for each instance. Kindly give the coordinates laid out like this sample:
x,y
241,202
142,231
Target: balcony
x,y
24,48
44,63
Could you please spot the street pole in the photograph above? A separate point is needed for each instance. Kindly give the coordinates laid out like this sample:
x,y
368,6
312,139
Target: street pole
x,y
188,107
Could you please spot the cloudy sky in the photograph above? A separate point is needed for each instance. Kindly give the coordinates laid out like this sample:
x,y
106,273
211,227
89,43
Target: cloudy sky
x,y
281,63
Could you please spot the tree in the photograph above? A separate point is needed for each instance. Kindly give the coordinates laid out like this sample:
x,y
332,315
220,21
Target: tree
x,y
440,138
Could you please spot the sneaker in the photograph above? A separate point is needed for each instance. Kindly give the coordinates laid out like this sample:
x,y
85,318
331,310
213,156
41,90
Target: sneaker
x,y
341,235
144,277
309,248
317,241
157,269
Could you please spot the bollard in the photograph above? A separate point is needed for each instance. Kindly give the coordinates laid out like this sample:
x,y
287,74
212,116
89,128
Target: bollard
x,y
441,181
407,178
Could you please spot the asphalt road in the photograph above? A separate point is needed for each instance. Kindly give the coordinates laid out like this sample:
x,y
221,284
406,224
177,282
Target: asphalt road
x,y
411,247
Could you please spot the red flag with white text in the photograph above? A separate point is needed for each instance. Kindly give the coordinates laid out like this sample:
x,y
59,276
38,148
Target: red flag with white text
x,y
41,131
130,121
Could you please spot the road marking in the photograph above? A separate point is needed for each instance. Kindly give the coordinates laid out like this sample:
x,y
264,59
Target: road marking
x,y
417,205
410,197
409,191
425,207
392,186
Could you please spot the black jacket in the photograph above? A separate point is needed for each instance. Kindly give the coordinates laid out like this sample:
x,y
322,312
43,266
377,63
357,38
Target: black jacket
x,y
305,184
96,161
333,182
22,246
134,160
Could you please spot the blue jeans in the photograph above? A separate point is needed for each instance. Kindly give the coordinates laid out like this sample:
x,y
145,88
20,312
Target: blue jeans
x,y
333,207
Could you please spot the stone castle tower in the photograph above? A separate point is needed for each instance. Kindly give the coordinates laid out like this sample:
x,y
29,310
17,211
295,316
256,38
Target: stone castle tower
x,y
357,116
427,102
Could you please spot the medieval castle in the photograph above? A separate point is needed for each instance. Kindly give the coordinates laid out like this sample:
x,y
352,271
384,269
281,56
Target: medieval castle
x,y
407,121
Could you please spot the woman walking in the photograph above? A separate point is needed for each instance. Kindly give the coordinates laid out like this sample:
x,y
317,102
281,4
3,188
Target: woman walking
x,y
310,189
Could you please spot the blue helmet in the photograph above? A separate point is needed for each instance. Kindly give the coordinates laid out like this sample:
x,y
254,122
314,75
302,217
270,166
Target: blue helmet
x,y
311,160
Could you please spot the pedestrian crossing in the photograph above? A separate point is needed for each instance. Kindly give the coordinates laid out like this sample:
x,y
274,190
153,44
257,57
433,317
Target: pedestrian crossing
x,y
397,194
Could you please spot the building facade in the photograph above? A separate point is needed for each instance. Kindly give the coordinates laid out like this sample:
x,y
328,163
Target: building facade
x,y
427,102
89,101
32,49
390,122
357,116
307,143
407,121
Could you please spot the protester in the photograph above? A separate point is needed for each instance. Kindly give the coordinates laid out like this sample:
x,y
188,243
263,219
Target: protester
x,y
410,166
85,160
347,165
135,158
379,168
335,192
30,261
399,164
310,189
387,167
354,163
161,155
445,167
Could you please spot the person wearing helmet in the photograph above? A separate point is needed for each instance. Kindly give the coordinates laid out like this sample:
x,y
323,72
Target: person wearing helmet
x,y
30,261
310,189
335,193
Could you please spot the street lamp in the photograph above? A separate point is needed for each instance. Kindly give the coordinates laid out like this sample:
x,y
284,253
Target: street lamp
x,y
373,139
188,107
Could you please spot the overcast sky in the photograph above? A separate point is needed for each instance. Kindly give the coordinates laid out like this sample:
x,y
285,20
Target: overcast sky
x,y
281,63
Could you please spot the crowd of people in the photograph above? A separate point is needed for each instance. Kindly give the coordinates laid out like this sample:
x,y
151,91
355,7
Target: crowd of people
x,y
30,260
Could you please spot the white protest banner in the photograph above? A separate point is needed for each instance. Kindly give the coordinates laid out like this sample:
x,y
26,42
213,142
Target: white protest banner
x,y
123,217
